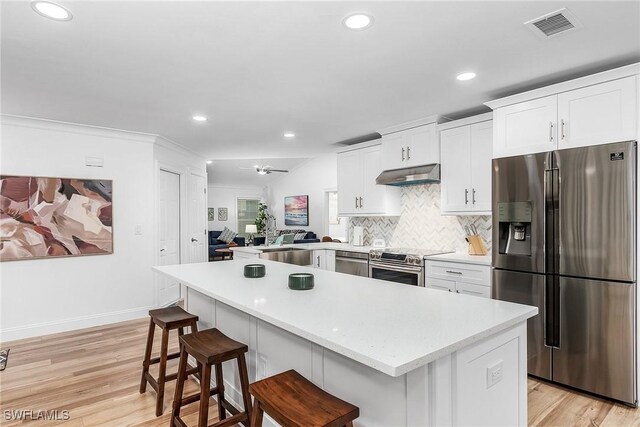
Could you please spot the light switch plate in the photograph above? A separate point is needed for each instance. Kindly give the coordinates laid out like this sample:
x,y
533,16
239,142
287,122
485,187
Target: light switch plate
x,y
494,374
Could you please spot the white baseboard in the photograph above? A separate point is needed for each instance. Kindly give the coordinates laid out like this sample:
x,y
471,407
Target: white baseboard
x,y
46,328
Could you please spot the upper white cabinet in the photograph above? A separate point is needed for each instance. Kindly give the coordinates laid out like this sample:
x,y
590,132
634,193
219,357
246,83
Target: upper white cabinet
x,y
466,149
410,147
591,110
358,193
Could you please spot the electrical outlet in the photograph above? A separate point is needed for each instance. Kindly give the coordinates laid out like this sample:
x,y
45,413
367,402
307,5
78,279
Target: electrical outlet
x,y
494,374
137,230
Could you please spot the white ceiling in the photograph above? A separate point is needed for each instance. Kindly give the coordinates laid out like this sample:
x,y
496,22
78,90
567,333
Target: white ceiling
x,y
228,172
257,69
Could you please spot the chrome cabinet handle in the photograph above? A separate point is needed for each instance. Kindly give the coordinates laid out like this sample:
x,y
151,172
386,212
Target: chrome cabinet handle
x,y
356,202
408,153
403,154
318,261
466,196
562,129
360,202
453,272
457,291
193,240
550,131
473,196
162,250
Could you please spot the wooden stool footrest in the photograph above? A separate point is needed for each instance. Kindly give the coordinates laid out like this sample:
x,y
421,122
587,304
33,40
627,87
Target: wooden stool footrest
x,y
155,360
229,407
238,418
195,397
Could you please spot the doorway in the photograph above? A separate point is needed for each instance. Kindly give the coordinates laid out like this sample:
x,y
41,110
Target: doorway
x,y
169,234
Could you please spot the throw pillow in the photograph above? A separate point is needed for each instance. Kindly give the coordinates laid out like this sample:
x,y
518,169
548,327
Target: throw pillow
x,y
227,235
300,236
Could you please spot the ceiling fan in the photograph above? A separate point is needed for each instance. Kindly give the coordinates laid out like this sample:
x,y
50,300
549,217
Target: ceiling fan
x,y
266,169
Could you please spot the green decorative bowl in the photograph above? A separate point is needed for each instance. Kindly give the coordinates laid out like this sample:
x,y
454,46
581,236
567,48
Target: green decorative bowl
x,y
254,271
301,281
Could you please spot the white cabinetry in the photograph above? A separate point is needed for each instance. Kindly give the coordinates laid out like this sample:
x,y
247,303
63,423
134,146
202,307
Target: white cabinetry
x,y
466,166
411,147
462,278
592,110
358,194
324,259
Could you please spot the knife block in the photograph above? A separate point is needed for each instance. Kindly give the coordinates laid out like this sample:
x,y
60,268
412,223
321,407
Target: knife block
x,y
476,245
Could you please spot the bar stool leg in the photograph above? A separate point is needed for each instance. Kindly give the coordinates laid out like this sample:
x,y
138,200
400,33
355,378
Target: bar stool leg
x,y
244,384
182,373
147,356
220,385
256,414
163,371
205,392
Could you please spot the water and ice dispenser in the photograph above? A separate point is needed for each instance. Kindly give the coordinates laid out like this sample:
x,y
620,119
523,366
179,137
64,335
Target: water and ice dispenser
x,y
514,219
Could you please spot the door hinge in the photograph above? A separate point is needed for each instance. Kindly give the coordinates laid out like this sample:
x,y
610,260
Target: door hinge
x,y
205,190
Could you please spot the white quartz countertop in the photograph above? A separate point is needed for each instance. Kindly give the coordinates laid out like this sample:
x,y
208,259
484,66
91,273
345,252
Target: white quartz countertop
x,y
312,246
463,257
390,327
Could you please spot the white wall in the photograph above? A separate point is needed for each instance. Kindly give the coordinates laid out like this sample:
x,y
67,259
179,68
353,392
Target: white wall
x,y
312,178
49,295
225,197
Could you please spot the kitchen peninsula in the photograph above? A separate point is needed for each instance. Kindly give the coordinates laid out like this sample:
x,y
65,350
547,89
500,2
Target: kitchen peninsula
x,y
404,355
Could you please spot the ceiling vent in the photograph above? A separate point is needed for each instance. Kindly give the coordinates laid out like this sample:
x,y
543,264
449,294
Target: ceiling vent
x,y
553,23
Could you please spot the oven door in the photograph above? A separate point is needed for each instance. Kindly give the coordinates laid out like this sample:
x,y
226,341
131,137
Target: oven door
x,y
397,273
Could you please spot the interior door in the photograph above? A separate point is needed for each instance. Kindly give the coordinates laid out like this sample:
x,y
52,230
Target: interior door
x,y
198,241
596,351
456,169
529,289
169,235
597,196
481,149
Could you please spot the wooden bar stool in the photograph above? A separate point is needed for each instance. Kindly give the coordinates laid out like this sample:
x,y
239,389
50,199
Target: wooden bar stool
x,y
211,347
292,400
167,319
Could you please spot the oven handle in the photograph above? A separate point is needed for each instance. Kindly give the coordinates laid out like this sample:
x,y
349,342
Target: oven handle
x,y
395,267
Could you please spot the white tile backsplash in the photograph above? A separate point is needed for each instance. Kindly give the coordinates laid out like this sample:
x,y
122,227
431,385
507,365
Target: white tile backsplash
x,y
420,224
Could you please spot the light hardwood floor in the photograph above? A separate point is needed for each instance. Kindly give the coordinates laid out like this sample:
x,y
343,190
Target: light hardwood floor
x,y
94,373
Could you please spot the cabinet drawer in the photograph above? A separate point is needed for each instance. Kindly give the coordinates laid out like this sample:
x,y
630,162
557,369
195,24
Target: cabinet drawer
x,y
459,272
475,290
442,285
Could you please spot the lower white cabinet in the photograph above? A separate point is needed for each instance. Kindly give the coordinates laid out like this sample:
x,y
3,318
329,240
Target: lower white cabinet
x,y
462,278
324,259
245,255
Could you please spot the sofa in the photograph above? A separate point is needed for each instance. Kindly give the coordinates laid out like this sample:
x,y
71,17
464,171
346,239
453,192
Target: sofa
x,y
310,237
215,244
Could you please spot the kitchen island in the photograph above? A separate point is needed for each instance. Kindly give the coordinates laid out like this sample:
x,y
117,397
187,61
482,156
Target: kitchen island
x,y
404,355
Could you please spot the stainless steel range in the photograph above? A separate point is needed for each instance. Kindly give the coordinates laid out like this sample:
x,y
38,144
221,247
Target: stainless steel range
x,y
401,265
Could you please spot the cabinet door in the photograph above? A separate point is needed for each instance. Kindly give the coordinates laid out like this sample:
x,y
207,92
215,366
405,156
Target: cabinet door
x,y
330,260
527,127
349,181
598,114
373,195
319,259
439,284
456,169
475,290
394,151
422,146
481,150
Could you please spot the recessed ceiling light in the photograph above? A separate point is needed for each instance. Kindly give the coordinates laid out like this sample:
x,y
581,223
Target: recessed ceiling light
x,y
209,162
466,76
289,134
51,10
200,118
358,21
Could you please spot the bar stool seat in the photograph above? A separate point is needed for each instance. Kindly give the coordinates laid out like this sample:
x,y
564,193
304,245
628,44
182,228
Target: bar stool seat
x,y
212,347
167,319
293,401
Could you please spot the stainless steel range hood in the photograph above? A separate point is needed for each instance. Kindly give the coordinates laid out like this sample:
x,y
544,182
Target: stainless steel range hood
x,y
425,174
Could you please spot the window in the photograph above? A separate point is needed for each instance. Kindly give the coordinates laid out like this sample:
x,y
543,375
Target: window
x,y
337,226
247,211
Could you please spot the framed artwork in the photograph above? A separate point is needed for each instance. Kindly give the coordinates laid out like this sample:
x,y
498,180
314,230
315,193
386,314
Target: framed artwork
x,y
42,217
223,214
211,214
296,210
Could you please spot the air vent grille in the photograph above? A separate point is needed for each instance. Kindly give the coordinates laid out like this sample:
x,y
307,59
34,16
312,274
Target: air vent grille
x,y
553,23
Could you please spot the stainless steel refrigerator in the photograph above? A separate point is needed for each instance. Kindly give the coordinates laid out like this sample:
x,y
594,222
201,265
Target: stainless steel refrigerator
x,y
564,240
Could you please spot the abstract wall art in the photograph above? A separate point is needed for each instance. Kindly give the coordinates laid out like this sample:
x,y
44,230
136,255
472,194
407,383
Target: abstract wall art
x,y
223,214
54,217
296,210
211,214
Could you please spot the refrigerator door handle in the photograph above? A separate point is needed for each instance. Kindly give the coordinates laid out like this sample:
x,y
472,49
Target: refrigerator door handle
x,y
552,311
